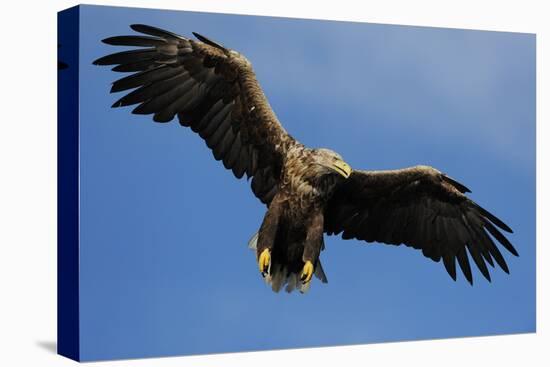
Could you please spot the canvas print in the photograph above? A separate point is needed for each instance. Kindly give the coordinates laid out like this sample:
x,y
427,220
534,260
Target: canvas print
x,y
235,183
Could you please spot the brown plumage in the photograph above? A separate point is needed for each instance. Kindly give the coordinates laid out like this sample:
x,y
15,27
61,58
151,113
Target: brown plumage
x,y
308,192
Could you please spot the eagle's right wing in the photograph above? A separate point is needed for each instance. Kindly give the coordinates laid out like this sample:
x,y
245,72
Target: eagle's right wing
x,y
211,89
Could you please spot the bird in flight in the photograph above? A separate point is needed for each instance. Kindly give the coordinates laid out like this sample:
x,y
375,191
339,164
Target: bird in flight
x,y
308,192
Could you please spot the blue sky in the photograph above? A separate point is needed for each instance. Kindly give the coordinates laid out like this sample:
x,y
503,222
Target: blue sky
x,y
165,269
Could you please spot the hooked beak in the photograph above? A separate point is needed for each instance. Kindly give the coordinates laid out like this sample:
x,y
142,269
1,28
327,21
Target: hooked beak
x,y
342,168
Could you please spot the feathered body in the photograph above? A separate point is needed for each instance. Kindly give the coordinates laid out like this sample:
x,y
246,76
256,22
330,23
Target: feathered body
x,y
293,226
308,192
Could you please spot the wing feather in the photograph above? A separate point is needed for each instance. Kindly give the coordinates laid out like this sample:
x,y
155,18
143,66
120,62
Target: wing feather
x,y
421,208
209,88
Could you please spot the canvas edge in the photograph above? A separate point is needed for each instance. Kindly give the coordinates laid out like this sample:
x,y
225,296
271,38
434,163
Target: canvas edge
x,y
68,317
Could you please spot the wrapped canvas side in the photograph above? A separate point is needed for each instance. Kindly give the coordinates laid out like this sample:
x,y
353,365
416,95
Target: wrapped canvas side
x,y
67,185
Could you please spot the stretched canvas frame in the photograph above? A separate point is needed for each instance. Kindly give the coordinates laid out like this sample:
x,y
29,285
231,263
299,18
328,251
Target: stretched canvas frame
x,y
119,299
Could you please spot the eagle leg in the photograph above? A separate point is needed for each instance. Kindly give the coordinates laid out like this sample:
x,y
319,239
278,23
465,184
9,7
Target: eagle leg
x,y
312,245
266,236
264,261
307,272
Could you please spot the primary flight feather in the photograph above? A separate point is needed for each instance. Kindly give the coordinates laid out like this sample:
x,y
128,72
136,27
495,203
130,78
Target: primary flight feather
x,y
308,192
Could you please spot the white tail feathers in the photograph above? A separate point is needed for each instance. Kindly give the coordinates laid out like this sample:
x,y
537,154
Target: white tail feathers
x,y
253,242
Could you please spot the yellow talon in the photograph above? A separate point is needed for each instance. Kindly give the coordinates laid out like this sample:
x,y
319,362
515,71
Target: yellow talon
x,y
307,272
264,260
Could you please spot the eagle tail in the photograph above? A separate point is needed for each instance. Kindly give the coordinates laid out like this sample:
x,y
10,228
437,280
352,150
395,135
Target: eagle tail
x,y
279,275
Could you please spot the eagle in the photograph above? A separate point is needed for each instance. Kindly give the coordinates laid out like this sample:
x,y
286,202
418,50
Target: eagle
x,y
308,192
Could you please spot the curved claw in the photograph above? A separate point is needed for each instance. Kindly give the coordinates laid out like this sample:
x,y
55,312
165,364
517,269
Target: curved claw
x,y
263,261
307,272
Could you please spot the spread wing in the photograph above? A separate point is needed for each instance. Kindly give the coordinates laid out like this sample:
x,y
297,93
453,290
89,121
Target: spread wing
x,y
421,208
212,90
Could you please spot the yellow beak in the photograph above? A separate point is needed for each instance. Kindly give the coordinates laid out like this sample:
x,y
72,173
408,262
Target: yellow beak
x,y
342,168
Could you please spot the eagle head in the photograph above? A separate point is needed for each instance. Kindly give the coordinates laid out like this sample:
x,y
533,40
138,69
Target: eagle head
x,y
330,163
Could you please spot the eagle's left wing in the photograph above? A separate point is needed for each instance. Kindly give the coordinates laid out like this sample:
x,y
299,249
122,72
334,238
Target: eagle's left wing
x,y
421,208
